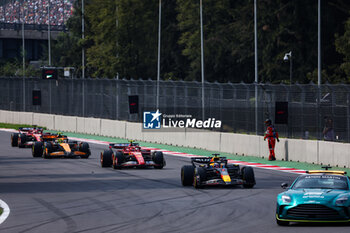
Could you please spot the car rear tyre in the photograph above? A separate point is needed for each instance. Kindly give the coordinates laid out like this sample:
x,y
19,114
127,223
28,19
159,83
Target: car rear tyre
x,y
86,149
106,158
248,177
118,159
22,140
187,175
14,139
158,159
37,149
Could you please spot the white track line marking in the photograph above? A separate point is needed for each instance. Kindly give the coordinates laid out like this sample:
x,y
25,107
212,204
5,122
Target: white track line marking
x,y
9,130
6,211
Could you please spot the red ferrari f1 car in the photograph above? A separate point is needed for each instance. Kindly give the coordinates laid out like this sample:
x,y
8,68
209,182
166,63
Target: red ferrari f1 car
x,y
26,137
131,155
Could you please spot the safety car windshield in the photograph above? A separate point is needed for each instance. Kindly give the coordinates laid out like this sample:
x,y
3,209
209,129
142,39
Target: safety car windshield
x,y
321,182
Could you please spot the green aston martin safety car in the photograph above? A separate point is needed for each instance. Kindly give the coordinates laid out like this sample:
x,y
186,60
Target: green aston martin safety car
x,y
317,196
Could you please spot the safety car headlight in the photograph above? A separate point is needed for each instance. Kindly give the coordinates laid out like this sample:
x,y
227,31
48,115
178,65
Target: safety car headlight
x,y
341,200
286,199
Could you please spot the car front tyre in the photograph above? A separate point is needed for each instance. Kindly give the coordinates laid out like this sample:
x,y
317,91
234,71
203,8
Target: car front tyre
x,y
106,158
187,175
37,149
158,159
248,177
14,139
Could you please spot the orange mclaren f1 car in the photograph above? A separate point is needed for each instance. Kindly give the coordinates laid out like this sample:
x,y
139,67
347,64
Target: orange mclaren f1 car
x,y
61,147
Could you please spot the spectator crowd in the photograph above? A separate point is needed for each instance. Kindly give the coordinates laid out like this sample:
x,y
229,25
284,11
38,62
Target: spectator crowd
x,y
36,11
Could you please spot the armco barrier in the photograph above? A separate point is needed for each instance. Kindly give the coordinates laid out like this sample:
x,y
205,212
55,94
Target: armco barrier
x,y
310,151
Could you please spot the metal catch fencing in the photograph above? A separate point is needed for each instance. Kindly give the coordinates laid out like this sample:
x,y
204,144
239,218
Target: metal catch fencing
x,y
309,106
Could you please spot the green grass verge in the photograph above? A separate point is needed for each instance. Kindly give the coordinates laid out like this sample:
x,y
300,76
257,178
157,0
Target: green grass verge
x,y
253,159
16,126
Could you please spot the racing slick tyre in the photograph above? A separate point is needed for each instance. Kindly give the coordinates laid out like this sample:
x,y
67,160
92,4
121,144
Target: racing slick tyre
x,y
47,150
158,159
37,149
282,223
187,175
22,140
86,149
106,158
199,176
248,177
118,159
14,139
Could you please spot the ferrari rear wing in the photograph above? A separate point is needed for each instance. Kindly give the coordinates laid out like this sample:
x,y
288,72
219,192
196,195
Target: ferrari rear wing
x,y
121,145
29,128
25,129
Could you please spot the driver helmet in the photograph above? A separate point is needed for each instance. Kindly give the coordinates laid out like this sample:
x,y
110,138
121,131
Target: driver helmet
x,y
60,140
268,122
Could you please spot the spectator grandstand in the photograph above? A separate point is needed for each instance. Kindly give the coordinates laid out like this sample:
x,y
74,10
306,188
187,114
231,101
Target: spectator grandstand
x,y
35,12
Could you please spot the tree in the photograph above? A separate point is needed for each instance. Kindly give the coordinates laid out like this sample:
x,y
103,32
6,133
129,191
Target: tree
x,y
342,44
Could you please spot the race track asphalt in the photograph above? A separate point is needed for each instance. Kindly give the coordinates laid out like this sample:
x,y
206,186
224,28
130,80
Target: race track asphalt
x,y
77,195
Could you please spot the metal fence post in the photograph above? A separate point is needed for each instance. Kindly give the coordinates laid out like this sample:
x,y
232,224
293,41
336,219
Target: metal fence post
x,y
83,100
50,96
117,98
256,108
348,116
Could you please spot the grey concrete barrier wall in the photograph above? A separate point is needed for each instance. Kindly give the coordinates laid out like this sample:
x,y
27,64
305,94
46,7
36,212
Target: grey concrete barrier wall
x,y
65,123
203,139
44,120
134,131
4,116
310,151
92,126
